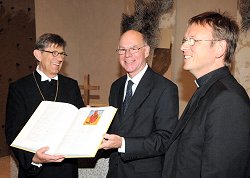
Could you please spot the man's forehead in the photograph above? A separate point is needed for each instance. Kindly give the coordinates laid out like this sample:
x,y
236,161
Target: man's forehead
x,y
53,45
131,39
195,29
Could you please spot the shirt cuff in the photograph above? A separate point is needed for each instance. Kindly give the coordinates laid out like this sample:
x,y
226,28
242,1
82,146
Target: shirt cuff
x,y
122,149
35,164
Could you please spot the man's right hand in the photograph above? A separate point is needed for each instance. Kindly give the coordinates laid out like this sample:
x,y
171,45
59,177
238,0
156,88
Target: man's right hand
x,y
41,157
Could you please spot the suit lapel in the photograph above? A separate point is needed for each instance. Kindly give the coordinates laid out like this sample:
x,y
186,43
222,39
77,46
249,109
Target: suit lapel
x,y
119,102
137,99
186,116
189,110
141,93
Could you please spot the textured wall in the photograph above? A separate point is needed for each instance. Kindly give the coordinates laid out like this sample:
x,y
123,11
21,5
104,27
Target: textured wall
x,y
242,57
17,38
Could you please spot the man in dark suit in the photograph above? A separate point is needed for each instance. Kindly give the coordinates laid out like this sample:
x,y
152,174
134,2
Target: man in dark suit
x,y
212,137
24,97
142,126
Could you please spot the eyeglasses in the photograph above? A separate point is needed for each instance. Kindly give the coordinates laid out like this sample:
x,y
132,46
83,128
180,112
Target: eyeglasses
x,y
192,41
55,53
132,50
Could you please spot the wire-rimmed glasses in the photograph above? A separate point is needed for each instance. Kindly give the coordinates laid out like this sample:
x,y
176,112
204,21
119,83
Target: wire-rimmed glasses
x,y
192,41
133,50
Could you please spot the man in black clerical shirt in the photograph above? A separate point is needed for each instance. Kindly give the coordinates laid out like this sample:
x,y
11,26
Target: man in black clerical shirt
x,y
212,136
25,94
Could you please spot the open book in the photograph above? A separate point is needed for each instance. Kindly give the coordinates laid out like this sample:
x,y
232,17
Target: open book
x,y
67,130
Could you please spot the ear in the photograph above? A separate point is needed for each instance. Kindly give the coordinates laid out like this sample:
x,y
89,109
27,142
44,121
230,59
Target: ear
x,y
221,48
147,50
37,54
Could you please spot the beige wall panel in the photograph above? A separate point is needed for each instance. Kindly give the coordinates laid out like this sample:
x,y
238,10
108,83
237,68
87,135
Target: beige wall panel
x,y
91,29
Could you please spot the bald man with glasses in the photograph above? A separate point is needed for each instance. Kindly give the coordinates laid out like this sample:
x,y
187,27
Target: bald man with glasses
x,y
147,113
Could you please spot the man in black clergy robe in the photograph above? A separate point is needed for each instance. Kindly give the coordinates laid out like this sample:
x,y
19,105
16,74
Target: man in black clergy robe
x,y
25,94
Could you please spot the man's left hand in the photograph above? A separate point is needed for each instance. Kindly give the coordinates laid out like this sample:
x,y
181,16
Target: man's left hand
x,y
111,141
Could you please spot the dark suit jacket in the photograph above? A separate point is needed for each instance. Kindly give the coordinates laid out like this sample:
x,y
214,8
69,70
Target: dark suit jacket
x,y
147,126
212,137
23,99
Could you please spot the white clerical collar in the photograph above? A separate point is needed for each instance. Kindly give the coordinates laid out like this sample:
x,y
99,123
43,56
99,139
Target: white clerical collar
x,y
45,77
196,83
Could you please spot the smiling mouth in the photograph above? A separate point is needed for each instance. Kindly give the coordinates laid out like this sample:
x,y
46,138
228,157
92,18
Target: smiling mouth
x,y
129,62
57,64
187,57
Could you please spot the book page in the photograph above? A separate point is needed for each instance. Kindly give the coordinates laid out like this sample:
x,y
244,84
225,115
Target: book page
x,y
46,127
86,132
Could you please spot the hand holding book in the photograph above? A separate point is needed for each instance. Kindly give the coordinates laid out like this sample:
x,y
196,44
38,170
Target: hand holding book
x,y
65,129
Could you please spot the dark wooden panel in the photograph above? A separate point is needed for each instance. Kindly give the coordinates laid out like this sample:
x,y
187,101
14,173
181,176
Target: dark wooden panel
x,y
17,39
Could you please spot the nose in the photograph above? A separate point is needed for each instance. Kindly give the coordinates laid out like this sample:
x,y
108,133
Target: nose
x,y
60,58
184,46
128,53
